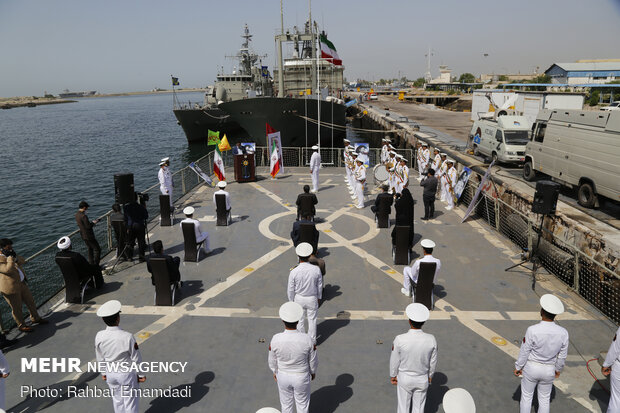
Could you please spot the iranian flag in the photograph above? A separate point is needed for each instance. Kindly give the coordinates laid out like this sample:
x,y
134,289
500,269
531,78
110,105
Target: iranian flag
x,y
218,164
328,51
275,159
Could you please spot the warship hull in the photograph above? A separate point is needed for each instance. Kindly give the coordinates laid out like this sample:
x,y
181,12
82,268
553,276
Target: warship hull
x,y
197,122
288,116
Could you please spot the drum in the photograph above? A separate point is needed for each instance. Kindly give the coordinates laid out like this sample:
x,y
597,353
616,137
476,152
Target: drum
x,y
381,174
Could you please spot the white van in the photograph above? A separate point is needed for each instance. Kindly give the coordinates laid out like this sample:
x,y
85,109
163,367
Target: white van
x,y
579,149
503,139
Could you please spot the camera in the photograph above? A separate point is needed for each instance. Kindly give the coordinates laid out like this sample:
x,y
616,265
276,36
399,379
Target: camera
x,y
142,197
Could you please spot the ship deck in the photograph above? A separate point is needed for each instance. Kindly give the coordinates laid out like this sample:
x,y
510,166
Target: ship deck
x,y
227,313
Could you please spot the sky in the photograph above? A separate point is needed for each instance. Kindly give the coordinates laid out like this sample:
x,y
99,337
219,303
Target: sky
x,y
135,45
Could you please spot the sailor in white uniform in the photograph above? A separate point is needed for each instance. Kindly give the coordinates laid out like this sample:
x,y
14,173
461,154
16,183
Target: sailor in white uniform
x,y
116,345
451,178
305,287
423,157
315,165
411,274
221,191
351,171
436,159
443,168
401,177
413,361
293,361
542,355
165,178
612,366
346,159
200,234
360,180
385,150
4,373
391,165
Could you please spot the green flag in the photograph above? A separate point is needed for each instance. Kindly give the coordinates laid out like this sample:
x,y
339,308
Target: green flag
x,y
213,138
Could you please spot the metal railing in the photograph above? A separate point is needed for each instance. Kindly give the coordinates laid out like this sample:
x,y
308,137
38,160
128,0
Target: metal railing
x,y
44,277
591,279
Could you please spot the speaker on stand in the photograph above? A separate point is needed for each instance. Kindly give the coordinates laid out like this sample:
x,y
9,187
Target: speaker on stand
x,y
545,203
123,188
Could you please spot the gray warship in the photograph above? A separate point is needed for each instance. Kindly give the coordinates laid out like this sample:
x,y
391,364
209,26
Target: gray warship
x,y
248,79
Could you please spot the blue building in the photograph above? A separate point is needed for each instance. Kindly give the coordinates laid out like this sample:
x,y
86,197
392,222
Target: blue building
x,y
584,72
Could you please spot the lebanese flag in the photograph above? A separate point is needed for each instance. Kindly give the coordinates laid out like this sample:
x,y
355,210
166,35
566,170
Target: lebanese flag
x,y
275,159
218,164
328,51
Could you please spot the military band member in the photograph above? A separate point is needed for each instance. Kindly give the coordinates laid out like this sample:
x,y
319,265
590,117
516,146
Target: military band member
x,y
451,179
391,167
352,167
443,168
411,274
542,355
436,159
612,366
385,150
115,345
360,180
413,361
402,175
305,287
293,361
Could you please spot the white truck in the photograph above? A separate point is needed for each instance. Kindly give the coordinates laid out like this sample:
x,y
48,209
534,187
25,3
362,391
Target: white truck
x,y
579,149
502,139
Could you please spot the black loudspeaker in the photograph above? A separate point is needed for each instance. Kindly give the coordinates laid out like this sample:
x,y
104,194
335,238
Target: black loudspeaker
x,y
546,197
123,188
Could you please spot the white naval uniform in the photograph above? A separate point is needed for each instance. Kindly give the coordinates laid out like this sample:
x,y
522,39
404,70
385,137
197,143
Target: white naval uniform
x,y
412,362
4,369
200,235
402,172
391,167
360,178
226,194
410,274
451,178
165,182
385,154
315,164
116,345
293,359
443,169
542,353
436,162
305,287
613,360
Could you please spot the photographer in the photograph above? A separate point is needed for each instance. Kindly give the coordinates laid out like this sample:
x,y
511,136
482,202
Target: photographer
x,y
135,219
14,288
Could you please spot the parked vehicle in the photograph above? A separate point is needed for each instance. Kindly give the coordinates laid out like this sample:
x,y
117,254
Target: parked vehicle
x,y
502,139
579,149
612,106
373,96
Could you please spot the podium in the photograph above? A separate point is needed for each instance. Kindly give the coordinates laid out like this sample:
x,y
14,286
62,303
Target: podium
x,y
245,168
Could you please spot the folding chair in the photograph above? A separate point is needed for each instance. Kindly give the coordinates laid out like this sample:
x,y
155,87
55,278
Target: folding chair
x,y
191,247
73,288
223,216
424,287
164,291
400,248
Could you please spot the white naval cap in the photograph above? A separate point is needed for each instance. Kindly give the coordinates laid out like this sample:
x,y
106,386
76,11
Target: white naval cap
x,y
268,410
427,243
458,401
450,160
188,210
361,158
403,159
64,243
315,147
290,312
392,153
165,159
162,163
424,144
346,140
109,308
551,304
304,249
443,154
417,312
221,184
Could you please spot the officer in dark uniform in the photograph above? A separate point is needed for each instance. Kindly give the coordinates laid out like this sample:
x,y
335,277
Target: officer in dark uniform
x,y
135,219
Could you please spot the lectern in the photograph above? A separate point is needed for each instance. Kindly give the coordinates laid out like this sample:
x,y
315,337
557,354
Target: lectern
x,y
245,169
